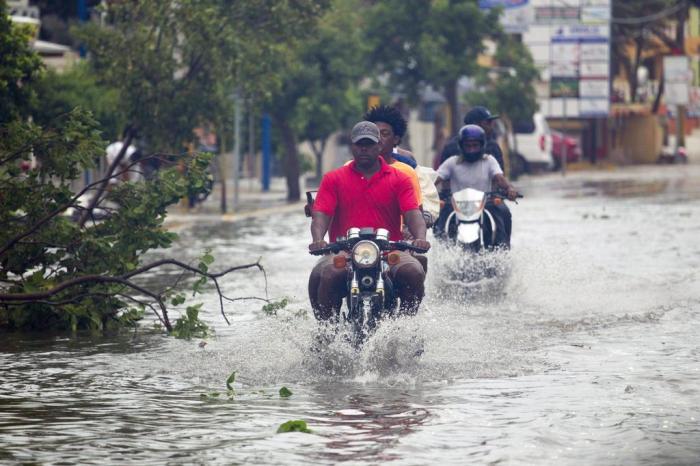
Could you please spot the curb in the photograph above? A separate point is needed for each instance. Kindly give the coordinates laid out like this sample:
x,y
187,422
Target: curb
x,y
179,220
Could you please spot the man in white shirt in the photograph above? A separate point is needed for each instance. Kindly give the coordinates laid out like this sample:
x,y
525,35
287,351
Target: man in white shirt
x,y
477,170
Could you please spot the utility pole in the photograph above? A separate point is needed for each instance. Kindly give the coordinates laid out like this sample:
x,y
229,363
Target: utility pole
x,y
266,151
236,147
564,155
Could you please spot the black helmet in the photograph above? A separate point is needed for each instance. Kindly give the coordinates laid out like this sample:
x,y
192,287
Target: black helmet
x,y
472,133
478,114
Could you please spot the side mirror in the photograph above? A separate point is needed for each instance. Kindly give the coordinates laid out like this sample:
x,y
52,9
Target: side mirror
x,y
310,198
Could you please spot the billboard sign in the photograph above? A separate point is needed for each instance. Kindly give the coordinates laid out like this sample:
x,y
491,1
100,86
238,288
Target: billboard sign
x,y
516,16
678,76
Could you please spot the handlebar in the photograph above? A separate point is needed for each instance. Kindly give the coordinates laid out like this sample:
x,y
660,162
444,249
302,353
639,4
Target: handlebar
x,y
502,195
384,246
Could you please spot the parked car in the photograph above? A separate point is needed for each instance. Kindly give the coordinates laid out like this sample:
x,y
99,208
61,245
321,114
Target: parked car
x,y
530,146
573,149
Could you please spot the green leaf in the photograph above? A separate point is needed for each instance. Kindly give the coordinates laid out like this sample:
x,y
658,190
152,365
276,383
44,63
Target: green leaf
x,y
230,380
285,392
294,426
177,299
272,308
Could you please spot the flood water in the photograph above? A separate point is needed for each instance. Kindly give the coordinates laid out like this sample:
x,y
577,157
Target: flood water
x,y
584,352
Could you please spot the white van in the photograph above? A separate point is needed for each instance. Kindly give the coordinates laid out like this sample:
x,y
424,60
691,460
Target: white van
x,y
530,146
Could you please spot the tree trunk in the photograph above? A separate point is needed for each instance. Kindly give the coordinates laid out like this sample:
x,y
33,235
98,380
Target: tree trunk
x,y
291,159
318,154
453,105
639,43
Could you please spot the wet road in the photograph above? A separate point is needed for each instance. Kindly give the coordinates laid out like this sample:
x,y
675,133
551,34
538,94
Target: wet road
x,y
586,352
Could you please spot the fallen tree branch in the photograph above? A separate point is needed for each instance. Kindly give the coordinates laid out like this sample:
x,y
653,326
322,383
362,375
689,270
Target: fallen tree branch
x,y
124,279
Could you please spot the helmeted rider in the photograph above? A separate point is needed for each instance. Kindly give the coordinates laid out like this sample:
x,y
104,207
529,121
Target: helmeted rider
x,y
480,116
473,168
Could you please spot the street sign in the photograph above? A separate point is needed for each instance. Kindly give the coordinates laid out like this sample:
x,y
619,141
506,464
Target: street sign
x,y
677,77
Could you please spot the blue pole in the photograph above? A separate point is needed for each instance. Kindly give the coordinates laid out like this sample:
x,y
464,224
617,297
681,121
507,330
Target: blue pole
x,y
83,16
266,151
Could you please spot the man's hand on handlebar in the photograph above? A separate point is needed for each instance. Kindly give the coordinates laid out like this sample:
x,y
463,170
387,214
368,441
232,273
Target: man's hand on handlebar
x,y
316,245
421,243
511,193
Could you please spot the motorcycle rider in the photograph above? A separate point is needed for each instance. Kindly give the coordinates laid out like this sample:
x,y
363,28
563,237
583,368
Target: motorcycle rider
x,y
392,128
365,193
474,168
480,116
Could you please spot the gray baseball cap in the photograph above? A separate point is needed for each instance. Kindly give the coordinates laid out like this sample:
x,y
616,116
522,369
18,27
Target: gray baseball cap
x,y
364,130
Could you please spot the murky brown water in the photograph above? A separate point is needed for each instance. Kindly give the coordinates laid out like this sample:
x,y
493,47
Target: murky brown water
x,y
587,353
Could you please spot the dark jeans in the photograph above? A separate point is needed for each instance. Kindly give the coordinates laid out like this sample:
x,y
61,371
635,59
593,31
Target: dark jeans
x,y
504,222
328,285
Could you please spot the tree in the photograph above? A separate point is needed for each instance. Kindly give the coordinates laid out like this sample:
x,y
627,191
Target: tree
x,y
318,94
78,87
652,26
509,87
55,272
417,42
176,64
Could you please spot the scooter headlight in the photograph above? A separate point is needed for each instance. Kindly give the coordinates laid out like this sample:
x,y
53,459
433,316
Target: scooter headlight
x,y
365,254
468,208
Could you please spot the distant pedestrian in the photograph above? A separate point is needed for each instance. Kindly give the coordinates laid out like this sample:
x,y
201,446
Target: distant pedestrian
x,y
123,172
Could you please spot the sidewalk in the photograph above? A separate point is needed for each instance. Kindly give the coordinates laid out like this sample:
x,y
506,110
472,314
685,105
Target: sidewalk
x,y
252,201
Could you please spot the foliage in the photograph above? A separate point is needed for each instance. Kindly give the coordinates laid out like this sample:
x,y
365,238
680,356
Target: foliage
x,y
417,42
272,307
78,87
230,392
294,426
285,392
189,325
511,91
19,68
42,250
59,273
176,63
230,380
317,92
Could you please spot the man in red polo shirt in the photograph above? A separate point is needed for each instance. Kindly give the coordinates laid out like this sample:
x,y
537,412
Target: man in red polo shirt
x,y
365,193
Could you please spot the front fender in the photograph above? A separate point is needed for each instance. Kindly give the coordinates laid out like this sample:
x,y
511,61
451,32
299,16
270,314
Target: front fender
x,y
468,233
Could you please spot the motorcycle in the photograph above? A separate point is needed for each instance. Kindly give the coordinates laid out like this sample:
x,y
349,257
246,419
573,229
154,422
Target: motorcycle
x,y
367,254
470,225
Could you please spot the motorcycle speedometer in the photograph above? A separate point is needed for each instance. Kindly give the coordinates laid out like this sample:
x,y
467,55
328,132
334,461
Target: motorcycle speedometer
x,y
365,254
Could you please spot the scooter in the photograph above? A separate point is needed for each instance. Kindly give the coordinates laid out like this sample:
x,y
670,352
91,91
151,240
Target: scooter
x,y
367,254
470,225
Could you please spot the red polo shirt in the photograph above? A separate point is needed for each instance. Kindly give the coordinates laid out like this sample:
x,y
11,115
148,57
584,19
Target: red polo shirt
x,y
354,201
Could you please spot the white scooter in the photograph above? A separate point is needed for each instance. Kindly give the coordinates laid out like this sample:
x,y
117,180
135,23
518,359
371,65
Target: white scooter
x,y
470,224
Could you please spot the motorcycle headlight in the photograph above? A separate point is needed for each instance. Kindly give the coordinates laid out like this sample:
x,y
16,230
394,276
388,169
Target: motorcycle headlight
x,y
468,208
365,254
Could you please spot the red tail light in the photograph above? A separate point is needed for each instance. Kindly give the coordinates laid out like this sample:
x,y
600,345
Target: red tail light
x,y
542,142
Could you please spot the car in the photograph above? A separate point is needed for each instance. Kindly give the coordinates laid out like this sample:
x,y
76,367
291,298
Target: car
x,y
561,141
530,146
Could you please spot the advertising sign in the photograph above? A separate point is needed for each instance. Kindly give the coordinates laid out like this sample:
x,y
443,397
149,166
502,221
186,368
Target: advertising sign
x,y
678,77
579,56
516,15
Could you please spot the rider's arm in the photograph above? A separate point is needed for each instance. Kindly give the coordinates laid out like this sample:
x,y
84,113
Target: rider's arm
x,y
415,223
500,181
319,225
438,183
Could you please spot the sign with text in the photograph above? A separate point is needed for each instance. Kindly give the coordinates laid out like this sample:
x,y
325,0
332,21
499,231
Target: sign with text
x,y
577,33
678,75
